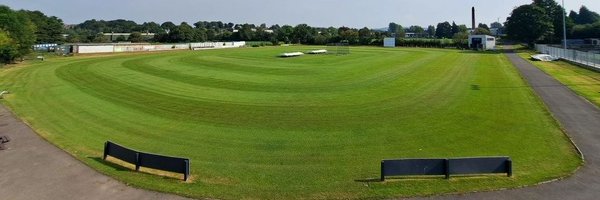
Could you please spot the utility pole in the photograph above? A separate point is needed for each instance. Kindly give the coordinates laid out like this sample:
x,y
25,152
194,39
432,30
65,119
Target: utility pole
x,y
564,26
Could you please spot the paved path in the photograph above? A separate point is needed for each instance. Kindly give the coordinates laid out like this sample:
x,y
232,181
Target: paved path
x,y
32,168
580,119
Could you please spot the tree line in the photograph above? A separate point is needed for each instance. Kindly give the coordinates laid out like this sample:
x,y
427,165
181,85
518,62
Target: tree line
x,y
19,30
91,31
542,21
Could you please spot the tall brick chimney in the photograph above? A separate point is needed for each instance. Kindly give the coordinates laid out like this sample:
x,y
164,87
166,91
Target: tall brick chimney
x,y
473,16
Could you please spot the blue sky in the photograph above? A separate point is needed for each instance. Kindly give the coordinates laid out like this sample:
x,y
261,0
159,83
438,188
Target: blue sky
x,y
321,13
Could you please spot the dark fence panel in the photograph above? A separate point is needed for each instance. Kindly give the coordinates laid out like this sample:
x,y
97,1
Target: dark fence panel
x,y
447,167
167,163
141,159
479,165
413,167
120,152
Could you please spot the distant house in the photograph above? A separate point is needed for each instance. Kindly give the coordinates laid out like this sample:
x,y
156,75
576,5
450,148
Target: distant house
x,y
415,35
254,30
484,42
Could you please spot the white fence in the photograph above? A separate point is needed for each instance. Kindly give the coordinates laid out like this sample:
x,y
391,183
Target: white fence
x,y
590,59
96,49
113,48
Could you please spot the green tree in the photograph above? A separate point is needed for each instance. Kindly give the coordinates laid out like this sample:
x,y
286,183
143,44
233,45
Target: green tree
x,y
182,33
226,35
262,34
151,27
431,31
122,26
8,48
460,39
77,35
200,35
48,29
99,38
94,26
321,39
365,36
573,16
284,34
245,33
303,34
455,29
396,30
483,26
555,16
73,38
331,33
416,29
120,38
586,16
463,28
168,26
443,30
529,23
481,31
419,31
392,28
586,31
19,28
136,37
351,35
212,35
201,24
496,25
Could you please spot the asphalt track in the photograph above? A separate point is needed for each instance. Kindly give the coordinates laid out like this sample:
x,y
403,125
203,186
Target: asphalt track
x,y
32,168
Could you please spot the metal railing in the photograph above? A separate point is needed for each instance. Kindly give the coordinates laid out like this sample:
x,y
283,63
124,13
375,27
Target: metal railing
x,y
589,59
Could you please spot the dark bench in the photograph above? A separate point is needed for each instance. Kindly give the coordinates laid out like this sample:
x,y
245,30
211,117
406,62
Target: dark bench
x,y
142,159
3,139
446,167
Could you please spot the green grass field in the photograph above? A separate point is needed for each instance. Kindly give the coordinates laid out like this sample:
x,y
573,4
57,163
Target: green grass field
x,y
583,81
313,127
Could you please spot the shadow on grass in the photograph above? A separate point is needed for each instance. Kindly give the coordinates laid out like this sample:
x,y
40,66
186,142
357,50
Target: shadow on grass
x,y
110,164
398,178
493,52
117,167
482,52
476,88
368,180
